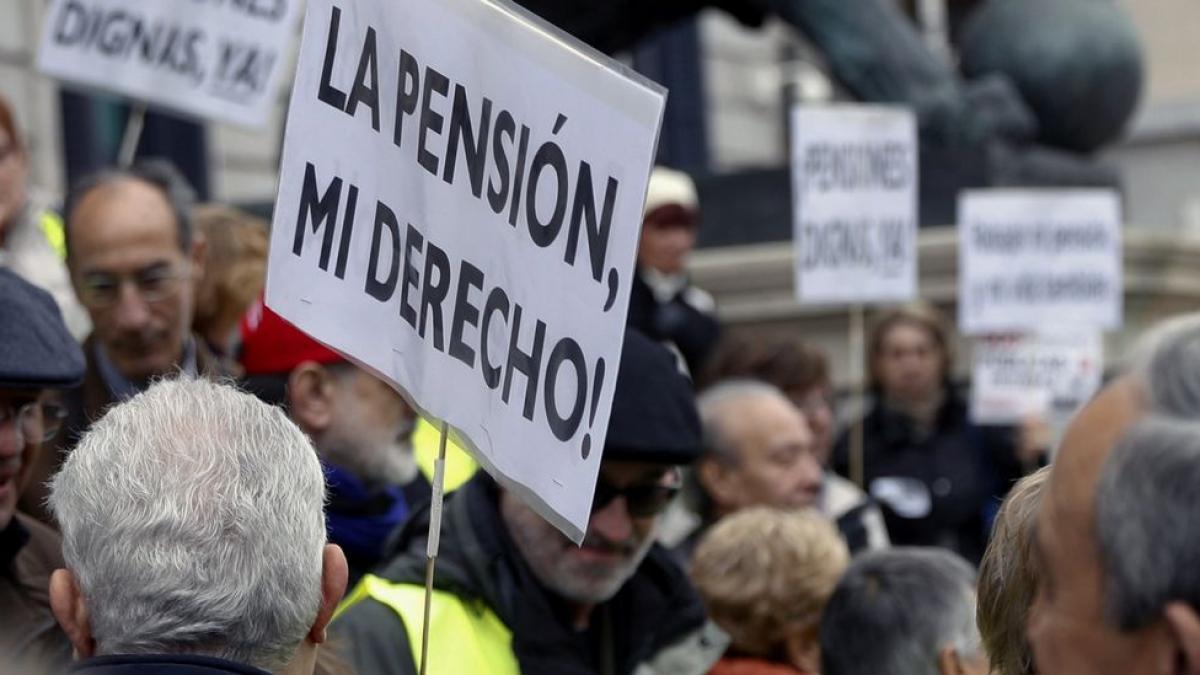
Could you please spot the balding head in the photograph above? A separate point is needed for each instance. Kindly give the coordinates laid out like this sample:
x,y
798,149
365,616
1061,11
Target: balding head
x,y
1119,592
758,449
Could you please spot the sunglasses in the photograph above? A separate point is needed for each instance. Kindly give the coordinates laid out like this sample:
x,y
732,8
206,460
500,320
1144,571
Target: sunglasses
x,y
641,500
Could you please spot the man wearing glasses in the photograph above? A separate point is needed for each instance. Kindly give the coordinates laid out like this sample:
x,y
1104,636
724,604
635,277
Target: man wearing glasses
x,y
133,257
37,357
516,596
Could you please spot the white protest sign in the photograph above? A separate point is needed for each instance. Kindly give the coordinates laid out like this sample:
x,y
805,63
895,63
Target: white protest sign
x,y
459,205
854,191
1030,260
1016,377
218,59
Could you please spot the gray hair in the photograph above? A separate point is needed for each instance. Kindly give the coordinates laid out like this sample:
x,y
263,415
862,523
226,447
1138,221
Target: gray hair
x,y
1167,361
716,442
158,173
895,610
1145,507
1146,496
192,517
712,405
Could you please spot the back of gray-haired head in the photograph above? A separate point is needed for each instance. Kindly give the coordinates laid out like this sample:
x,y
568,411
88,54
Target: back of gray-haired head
x,y
1167,361
713,404
1146,497
895,610
192,518
158,173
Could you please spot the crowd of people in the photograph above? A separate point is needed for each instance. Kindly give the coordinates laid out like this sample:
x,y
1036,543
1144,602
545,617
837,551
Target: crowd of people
x,y
190,484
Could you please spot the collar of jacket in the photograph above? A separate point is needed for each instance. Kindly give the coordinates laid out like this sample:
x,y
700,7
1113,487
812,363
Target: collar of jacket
x,y
12,539
896,428
162,664
478,562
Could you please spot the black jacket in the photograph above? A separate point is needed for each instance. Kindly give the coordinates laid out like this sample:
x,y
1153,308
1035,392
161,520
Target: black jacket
x,y
655,609
963,469
163,664
693,331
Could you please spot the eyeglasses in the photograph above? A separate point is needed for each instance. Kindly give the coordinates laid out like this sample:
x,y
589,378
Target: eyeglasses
x,y
34,421
100,290
642,501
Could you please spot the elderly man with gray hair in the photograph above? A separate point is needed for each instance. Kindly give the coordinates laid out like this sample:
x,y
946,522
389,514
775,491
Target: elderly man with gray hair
x,y
904,611
1115,532
194,537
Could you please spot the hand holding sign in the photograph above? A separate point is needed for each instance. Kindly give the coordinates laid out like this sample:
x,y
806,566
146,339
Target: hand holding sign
x,y
459,203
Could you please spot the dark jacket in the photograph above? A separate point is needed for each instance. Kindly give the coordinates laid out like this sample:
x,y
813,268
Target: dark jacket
x,y
163,664
29,635
655,610
694,331
85,404
959,472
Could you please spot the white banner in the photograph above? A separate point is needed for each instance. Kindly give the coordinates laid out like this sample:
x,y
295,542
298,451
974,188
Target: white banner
x,y
1016,378
854,190
218,59
459,206
1033,260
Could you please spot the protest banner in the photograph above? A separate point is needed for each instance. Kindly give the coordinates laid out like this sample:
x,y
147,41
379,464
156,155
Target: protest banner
x,y
854,203
214,59
854,186
1032,260
1019,377
459,205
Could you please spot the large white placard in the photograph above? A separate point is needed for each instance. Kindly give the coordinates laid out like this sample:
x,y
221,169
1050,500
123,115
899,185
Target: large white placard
x,y
459,205
1015,378
1033,260
218,59
854,190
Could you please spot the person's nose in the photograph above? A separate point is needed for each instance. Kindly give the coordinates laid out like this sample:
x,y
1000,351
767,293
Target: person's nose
x,y
613,522
132,310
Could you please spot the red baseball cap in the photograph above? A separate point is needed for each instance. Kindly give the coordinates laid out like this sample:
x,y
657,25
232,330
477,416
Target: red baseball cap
x,y
272,345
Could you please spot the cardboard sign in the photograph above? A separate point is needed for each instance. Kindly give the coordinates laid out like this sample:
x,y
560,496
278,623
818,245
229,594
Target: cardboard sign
x,y
1015,378
459,206
1033,260
854,186
218,59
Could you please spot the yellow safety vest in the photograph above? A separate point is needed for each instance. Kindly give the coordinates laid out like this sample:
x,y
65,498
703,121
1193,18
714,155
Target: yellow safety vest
x,y
51,225
459,465
464,637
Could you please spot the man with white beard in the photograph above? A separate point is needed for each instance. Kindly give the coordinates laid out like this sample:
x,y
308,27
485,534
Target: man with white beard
x,y
513,595
360,426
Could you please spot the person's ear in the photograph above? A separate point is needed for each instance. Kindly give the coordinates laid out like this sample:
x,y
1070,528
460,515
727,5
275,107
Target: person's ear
x,y
720,481
1184,626
334,575
310,396
66,603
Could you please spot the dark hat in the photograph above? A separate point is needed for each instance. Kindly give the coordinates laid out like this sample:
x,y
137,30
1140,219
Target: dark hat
x,y
36,351
654,416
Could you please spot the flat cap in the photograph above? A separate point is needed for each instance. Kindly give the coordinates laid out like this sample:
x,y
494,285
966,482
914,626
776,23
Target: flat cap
x,y
36,350
654,416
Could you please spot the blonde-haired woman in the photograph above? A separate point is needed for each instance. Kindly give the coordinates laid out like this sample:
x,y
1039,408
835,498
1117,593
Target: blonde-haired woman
x,y
765,576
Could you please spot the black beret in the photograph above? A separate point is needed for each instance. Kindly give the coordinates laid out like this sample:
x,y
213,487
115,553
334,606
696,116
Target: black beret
x,y
36,351
654,416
